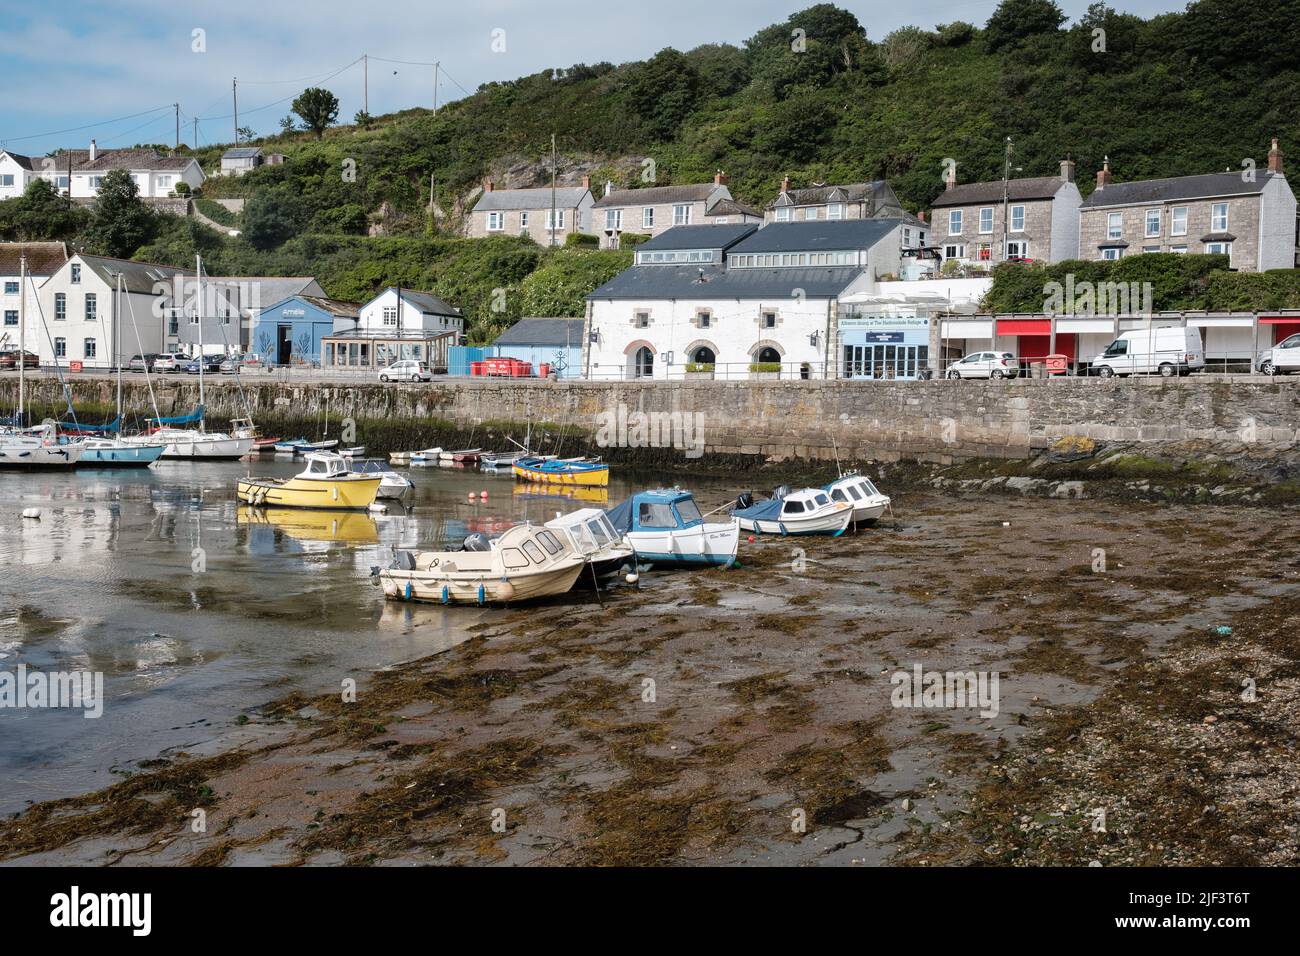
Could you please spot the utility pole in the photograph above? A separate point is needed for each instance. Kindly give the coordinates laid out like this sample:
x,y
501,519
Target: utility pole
x,y
365,83
178,124
234,95
1006,198
196,132
22,330
437,64
552,222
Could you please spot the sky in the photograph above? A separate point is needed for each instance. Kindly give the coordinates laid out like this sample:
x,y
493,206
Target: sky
x,y
122,66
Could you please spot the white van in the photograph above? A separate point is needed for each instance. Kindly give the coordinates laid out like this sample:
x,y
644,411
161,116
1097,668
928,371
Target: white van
x,y
1169,350
1282,358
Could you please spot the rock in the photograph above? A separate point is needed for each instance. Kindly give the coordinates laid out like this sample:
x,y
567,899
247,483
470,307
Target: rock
x,y
907,804
1071,448
1209,720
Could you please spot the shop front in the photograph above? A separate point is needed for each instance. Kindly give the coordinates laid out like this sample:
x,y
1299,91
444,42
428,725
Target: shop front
x,y
884,346
361,350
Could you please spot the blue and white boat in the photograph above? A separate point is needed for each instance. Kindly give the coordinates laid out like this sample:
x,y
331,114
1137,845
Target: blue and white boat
x,y
868,502
806,511
664,526
115,453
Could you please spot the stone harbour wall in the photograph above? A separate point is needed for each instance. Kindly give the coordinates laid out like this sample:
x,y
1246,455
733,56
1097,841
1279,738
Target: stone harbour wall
x,y
937,421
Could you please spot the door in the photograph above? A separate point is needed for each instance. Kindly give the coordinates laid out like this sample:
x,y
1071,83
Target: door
x,y
284,345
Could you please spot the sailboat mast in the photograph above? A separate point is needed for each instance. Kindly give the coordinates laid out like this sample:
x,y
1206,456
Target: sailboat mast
x,y
117,348
198,310
22,338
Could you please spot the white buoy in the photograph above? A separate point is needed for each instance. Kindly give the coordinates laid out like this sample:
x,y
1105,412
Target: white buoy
x,y
33,513
632,577
379,509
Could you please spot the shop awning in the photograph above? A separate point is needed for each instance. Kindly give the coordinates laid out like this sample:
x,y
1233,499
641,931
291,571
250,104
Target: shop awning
x,y
1278,319
1024,326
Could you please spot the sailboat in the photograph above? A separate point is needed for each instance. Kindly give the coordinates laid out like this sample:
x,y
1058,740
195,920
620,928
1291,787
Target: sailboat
x,y
195,443
32,448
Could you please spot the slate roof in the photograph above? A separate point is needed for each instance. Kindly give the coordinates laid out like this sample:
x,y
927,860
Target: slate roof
x,y
242,152
426,302
1203,186
137,276
106,159
818,195
705,236
43,258
820,235
272,290
729,207
566,197
344,310
543,332
26,162
684,282
1018,190
655,195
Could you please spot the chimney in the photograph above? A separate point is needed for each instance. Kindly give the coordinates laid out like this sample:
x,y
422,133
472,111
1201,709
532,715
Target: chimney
x,y
1275,158
950,178
921,215
94,150
586,182
609,186
1067,170
487,185
1103,174
720,178
785,184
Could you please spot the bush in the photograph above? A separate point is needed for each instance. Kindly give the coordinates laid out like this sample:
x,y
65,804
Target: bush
x,y
765,366
216,212
699,366
581,240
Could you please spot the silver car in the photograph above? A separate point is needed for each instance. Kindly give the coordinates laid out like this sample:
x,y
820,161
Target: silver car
x,y
985,365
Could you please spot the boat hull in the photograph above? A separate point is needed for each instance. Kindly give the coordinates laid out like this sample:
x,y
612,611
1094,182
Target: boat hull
x,y
24,455
199,445
324,494
707,545
597,477
830,521
122,456
464,587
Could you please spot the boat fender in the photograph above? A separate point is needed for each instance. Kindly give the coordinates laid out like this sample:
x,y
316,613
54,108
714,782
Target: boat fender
x,y
335,490
481,595
32,513
409,590
781,525
446,595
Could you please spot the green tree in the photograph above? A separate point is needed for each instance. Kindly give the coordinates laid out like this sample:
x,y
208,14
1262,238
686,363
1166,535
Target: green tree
x,y
120,222
663,91
273,216
41,212
1015,21
318,109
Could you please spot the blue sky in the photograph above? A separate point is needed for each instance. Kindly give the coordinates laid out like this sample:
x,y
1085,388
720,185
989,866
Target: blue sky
x,y
73,63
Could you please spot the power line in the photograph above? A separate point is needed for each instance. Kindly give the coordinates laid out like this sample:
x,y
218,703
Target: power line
x,y
77,129
258,109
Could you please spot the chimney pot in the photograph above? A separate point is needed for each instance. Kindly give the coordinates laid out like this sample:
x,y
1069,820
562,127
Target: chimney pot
x,y
1067,170
720,178
1275,158
785,184
487,185
950,178
586,182
1103,174
921,215
93,150
609,186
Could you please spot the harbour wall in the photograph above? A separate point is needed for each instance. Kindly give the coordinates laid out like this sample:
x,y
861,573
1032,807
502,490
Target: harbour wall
x,y
937,421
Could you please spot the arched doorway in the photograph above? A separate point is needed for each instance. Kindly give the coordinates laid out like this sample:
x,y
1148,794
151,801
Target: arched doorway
x,y
704,356
767,354
643,363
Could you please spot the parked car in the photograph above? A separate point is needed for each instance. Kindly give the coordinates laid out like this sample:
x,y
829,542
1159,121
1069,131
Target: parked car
x,y
9,359
1169,350
243,363
211,364
143,363
1281,358
406,371
985,365
170,362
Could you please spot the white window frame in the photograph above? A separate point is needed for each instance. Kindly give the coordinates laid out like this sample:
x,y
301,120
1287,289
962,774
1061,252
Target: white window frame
x,y
1113,254
955,220
648,217
523,221
835,210
682,214
558,224
75,274
1151,216
60,307
60,347
1114,225
614,220
496,221
388,316
983,211
1217,210
782,214
954,250
1020,245
89,348
1017,212
1219,248
1178,215
91,309
810,213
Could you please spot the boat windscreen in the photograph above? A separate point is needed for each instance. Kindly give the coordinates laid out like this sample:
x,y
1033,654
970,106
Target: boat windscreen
x,y
601,531
689,510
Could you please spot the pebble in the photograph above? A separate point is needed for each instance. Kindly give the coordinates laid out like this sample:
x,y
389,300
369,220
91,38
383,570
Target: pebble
x,y
907,804
1209,720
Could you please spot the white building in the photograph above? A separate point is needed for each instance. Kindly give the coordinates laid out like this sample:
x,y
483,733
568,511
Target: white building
x,y
395,325
735,301
43,260
155,175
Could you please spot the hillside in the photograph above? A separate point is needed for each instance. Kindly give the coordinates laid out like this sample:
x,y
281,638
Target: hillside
x,y
1176,94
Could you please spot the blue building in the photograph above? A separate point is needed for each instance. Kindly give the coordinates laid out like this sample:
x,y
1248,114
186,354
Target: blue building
x,y
553,342
290,332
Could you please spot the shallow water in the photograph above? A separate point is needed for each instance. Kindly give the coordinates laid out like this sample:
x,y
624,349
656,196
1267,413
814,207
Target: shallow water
x,y
196,609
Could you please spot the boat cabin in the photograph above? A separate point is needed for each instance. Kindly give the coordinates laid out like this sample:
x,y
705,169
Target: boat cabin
x,y
521,548
324,464
658,510
853,488
802,502
370,466
587,529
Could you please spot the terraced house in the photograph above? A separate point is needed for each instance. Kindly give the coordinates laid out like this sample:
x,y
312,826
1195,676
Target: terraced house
x,y
873,200
1247,215
653,210
156,176
982,224
528,212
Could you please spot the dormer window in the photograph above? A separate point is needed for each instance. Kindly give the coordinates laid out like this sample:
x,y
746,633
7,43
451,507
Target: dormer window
x,y
810,213
783,214
835,210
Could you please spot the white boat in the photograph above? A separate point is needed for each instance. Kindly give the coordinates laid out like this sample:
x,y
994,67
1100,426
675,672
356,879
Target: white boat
x,y
867,501
192,443
591,535
119,453
665,528
806,511
525,562
39,448
391,484
426,455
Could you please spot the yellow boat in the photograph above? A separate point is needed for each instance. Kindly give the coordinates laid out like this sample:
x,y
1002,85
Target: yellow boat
x,y
327,483
588,473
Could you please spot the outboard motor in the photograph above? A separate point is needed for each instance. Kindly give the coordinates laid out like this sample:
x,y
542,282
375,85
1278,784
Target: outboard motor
x,y
745,500
476,542
403,561
781,492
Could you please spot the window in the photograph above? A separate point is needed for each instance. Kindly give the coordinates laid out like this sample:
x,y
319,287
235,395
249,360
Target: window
x,y
1152,223
11,316
954,222
11,288
1017,219
954,250
60,348
783,214
1112,253
1146,249
682,215
1114,225
768,320
651,514
556,224
1219,248
76,272
1017,249
1178,221
523,221
648,217
496,221
390,315
60,306
534,552
810,212
95,181
164,181
1180,250
6,180
88,348
835,210
92,307
550,542
986,220
792,507
642,320
644,363
614,219
986,252
1219,217
704,319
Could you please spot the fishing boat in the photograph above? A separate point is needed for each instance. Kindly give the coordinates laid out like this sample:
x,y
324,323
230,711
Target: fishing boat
x,y
591,535
867,501
665,528
524,563
326,483
391,484
806,511
40,447
592,473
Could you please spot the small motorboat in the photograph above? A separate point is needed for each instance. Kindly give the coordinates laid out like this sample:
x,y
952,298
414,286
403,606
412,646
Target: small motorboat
x,y
562,472
806,511
490,461
326,483
244,428
356,451
289,446
115,453
665,528
591,535
391,484
425,456
867,501
328,445
525,562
